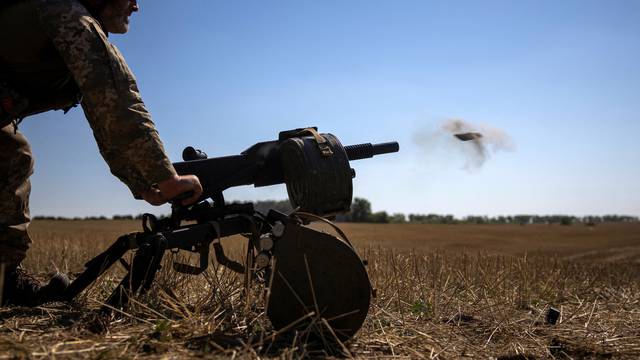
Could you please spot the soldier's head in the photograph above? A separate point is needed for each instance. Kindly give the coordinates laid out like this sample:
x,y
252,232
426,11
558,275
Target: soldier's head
x,y
115,15
112,14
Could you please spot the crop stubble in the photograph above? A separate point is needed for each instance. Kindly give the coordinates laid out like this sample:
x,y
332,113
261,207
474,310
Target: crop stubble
x,y
443,291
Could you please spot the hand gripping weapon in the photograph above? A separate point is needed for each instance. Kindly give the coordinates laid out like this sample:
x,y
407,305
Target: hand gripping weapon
x,y
307,272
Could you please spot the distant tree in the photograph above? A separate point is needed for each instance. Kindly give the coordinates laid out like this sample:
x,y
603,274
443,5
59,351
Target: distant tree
x,y
360,210
101,217
566,220
449,219
44,217
397,218
474,219
379,217
522,219
122,217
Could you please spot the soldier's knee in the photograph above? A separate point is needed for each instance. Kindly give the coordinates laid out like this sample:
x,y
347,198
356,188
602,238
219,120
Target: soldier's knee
x,y
12,256
14,243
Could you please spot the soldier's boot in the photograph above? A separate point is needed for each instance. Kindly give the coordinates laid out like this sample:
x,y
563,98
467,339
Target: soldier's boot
x,y
22,289
55,288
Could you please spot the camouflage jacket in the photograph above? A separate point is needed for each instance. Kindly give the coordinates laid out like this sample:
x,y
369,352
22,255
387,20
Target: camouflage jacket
x,y
122,126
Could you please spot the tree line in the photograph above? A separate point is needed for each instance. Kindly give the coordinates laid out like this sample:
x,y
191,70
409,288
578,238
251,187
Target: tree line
x,y
262,206
361,213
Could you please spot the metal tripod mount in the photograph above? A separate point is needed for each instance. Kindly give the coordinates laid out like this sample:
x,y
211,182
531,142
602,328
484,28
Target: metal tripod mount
x,y
169,234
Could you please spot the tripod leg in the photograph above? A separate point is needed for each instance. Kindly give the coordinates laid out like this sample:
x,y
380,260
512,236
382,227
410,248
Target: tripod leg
x,y
98,265
146,264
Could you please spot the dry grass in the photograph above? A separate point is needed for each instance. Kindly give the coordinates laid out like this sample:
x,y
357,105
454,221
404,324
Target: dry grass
x,y
442,292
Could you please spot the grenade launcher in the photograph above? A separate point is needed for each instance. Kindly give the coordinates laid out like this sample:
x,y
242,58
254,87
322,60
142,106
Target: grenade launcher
x,y
308,273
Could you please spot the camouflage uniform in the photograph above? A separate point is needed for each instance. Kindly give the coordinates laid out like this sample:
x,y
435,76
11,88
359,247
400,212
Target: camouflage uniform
x,y
121,125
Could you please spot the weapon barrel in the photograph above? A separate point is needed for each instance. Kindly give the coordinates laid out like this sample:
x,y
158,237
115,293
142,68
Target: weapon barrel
x,y
259,165
365,151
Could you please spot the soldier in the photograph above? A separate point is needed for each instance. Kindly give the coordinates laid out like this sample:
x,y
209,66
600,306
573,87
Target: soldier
x,y
55,54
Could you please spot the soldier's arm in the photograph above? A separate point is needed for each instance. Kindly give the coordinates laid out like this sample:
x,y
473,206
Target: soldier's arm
x,y
121,124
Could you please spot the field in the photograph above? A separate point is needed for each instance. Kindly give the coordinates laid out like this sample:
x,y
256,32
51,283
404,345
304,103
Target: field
x,y
443,292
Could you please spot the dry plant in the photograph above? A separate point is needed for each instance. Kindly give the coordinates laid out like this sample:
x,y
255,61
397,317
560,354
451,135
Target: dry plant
x,y
432,301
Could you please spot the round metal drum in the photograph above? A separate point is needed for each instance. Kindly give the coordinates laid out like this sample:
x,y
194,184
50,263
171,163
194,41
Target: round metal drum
x,y
317,274
317,183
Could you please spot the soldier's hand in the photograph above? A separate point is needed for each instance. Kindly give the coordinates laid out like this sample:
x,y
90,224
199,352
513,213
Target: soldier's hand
x,y
174,187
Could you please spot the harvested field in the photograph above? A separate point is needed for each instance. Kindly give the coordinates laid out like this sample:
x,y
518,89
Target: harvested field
x,y
605,242
443,292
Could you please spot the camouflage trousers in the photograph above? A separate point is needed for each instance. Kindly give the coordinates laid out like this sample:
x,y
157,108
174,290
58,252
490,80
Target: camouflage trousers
x,y
16,165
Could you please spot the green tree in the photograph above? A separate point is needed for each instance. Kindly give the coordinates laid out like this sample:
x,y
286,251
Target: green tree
x,y
379,217
360,210
566,220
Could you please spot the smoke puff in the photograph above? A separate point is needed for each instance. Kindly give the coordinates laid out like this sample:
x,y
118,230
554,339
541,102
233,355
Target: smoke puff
x,y
475,151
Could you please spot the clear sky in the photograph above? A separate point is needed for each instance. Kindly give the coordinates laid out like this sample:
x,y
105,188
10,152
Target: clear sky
x,y
561,78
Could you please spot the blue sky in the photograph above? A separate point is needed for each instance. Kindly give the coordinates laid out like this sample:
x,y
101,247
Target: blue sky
x,y
561,78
